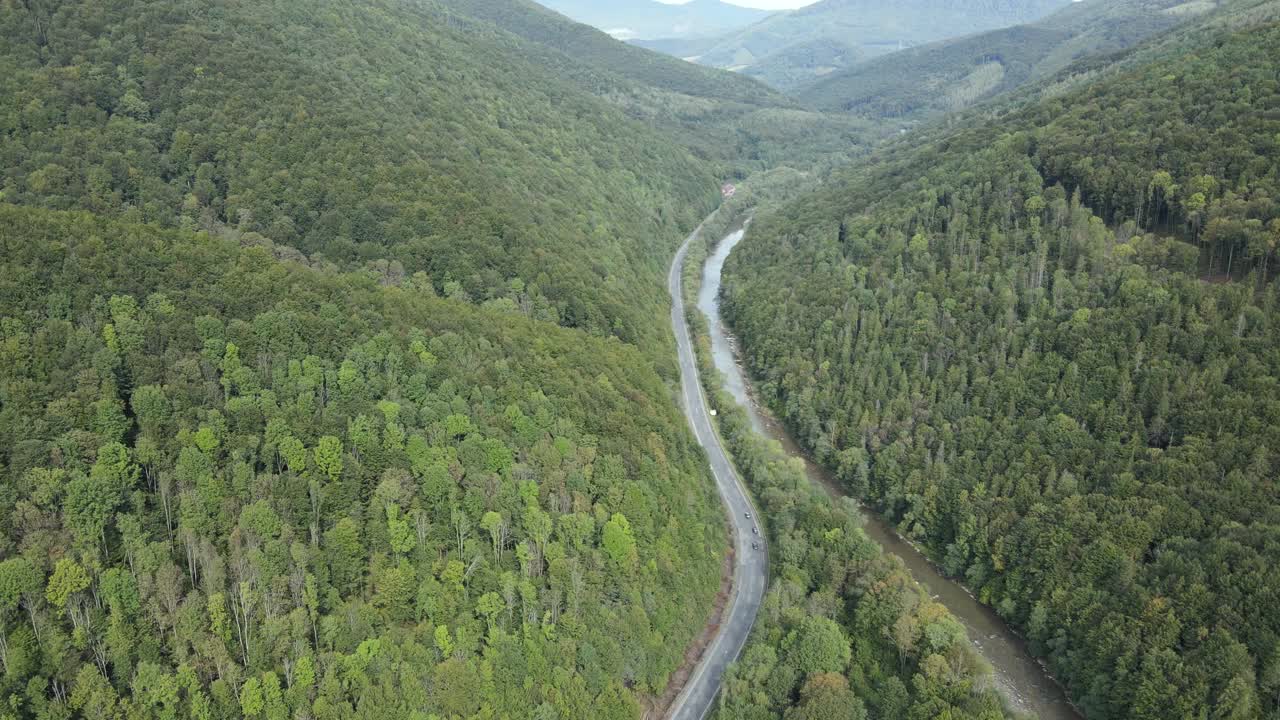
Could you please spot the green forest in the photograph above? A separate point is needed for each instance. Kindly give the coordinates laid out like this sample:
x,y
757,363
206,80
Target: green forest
x,y
1047,349
279,123
337,379
240,488
845,632
951,75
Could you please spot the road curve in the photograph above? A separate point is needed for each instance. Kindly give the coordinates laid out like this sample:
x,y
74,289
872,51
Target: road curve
x,y
751,567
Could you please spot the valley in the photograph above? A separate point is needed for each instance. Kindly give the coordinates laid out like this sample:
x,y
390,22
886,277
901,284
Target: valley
x,y
751,563
1023,683
460,360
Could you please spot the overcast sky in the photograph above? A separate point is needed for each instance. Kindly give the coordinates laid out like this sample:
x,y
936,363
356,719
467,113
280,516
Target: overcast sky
x,y
766,4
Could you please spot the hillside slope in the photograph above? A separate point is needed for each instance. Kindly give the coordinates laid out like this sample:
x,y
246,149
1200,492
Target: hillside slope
x,y
869,27
333,347
999,334
954,74
597,50
362,133
800,63
736,125
237,486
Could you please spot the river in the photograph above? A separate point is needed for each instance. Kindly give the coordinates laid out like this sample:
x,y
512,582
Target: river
x,y
1026,686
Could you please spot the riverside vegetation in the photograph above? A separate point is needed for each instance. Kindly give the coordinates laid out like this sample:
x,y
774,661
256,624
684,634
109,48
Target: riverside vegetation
x,y
335,379
844,633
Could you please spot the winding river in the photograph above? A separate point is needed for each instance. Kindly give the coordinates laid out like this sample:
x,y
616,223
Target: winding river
x,y
1025,684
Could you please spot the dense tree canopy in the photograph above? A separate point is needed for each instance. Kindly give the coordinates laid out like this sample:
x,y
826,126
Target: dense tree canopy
x,y
334,374
236,487
288,427
1009,341
844,633
389,134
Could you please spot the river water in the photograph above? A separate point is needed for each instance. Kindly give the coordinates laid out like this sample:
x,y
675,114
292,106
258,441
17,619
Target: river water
x,y
1025,684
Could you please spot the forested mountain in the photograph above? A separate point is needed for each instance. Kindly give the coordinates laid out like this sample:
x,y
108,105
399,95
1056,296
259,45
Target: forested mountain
x,y
953,74
236,487
771,49
1047,348
332,386
381,131
627,19
800,63
734,124
592,52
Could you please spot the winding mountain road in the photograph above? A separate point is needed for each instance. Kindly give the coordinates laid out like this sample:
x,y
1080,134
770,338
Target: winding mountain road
x,y
751,567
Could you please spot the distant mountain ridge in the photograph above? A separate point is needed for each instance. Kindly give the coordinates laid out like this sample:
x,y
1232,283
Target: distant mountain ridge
x,y
730,121
649,19
953,74
772,50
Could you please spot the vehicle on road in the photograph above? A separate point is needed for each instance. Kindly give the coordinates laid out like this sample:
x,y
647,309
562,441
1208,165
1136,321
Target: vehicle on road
x,y
755,530
747,514
751,573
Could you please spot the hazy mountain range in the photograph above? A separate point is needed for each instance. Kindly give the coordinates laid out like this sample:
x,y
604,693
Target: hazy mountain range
x,y
649,19
952,74
791,48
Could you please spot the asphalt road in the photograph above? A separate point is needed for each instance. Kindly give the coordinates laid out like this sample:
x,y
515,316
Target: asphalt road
x,y
750,572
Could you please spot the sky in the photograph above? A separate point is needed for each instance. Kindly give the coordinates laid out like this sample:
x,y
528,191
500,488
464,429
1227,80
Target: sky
x,y
765,4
